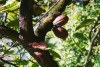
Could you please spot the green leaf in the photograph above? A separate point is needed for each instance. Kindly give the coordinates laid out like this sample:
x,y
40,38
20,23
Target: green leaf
x,y
35,65
16,58
10,52
45,1
12,20
11,16
1,63
80,36
13,24
24,62
55,54
85,23
10,6
54,40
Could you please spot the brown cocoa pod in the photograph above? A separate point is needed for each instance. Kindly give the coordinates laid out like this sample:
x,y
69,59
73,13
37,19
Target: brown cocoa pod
x,y
39,45
38,54
60,32
60,20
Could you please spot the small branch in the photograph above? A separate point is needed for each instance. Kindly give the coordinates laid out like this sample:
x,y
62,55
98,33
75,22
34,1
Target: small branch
x,y
8,49
8,32
8,62
90,49
92,37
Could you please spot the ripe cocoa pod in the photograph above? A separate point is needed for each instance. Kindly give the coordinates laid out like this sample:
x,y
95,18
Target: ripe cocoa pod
x,y
60,32
60,20
39,45
38,54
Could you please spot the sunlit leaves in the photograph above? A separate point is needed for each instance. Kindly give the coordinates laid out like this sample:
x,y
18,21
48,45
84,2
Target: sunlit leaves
x,y
11,17
35,65
55,54
24,62
80,36
85,23
12,20
10,6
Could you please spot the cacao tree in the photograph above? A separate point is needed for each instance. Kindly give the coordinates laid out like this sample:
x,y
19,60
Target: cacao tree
x,y
49,33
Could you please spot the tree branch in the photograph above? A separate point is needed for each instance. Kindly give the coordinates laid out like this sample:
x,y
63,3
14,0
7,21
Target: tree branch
x,y
45,25
8,32
91,44
25,19
8,62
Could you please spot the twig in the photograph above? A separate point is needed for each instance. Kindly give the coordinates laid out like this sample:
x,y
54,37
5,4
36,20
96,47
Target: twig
x,y
95,25
90,49
9,48
48,10
8,62
92,38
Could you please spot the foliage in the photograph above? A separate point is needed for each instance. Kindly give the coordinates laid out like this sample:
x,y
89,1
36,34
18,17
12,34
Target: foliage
x,y
84,22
